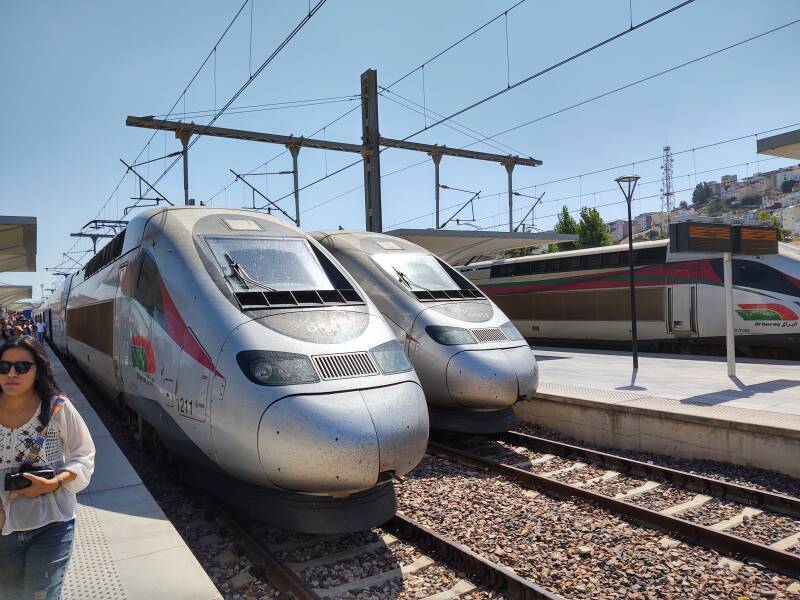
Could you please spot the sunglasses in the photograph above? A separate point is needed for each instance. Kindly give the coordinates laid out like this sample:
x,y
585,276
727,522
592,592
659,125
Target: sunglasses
x,y
20,366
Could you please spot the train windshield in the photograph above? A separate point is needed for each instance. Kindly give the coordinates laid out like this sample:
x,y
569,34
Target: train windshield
x,y
276,264
416,271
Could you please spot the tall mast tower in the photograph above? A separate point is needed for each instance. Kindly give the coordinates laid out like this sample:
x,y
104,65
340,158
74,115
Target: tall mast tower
x,y
667,190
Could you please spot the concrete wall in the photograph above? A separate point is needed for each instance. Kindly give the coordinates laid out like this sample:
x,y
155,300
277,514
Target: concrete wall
x,y
669,433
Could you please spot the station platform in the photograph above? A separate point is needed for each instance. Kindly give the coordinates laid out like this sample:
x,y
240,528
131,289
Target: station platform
x,y
674,404
125,548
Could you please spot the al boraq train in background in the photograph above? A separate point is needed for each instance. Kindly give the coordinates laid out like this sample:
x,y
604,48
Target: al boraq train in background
x,y
255,357
581,298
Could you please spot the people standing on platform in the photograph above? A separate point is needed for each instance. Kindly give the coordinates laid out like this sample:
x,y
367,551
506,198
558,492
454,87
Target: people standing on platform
x,y
46,458
40,330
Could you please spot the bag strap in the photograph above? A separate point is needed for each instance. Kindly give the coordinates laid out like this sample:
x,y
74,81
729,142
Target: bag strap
x,y
55,407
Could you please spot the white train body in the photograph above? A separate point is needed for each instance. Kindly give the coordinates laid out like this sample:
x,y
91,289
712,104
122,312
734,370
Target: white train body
x,y
580,297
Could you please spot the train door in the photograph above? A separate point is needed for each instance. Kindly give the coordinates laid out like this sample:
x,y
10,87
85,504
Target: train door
x,y
122,316
192,390
681,302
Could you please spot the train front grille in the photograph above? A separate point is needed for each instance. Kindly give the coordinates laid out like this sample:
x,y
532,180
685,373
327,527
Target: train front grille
x,y
490,334
342,366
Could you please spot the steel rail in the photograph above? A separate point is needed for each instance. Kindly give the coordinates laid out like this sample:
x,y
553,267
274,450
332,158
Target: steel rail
x,y
490,574
281,576
724,543
740,494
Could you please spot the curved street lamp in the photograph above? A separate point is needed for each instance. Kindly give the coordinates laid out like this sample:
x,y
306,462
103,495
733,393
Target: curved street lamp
x,y
627,184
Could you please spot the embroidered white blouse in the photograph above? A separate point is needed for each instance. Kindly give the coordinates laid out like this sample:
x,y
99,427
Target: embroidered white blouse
x,y
69,446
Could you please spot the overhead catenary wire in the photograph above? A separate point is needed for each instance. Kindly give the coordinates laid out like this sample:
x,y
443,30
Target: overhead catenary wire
x,y
290,36
422,66
552,67
643,80
614,167
608,93
115,191
614,189
265,106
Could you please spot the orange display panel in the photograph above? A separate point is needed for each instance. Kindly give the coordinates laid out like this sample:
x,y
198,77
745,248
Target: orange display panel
x,y
700,237
748,239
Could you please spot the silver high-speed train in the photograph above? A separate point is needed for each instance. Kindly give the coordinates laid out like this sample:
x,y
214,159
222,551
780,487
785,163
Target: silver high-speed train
x,y
472,362
255,357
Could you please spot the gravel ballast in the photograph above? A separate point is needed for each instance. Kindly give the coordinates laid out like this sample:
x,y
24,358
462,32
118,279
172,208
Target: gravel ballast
x,y
571,547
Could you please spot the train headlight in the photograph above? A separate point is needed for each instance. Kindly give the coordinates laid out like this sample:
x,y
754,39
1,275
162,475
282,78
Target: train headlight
x,y
390,358
276,368
450,336
511,332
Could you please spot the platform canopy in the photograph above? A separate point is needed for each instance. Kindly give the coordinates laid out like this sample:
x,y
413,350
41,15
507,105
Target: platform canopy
x,y
786,145
17,244
10,294
461,247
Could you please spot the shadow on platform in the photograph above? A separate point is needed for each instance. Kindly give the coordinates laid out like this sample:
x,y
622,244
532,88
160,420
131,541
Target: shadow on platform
x,y
743,391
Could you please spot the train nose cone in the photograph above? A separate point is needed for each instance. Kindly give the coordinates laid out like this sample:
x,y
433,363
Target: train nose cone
x,y
342,442
484,379
524,362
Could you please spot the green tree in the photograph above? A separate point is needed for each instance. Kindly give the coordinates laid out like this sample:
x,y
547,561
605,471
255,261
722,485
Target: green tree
x,y
683,204
715,206
565,224
751,200
592,231
701,194
765,217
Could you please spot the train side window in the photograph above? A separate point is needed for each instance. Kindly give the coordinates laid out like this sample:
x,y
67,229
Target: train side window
x,y
552,265
589,261
651,256
753,274
523,268
611,259
148,286
571,263
540,266
502,271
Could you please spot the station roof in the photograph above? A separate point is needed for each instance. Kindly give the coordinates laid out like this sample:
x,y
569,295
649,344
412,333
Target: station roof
x,y
786,145
17,244
458,247
10,294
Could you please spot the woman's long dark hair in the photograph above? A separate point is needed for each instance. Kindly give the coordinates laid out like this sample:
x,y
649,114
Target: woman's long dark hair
x,y
45,383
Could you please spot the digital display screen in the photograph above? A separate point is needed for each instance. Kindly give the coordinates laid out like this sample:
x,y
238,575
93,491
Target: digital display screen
x,y
750,239
700,237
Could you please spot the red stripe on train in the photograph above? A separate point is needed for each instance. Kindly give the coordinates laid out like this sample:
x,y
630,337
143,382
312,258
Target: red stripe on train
x,y
183,335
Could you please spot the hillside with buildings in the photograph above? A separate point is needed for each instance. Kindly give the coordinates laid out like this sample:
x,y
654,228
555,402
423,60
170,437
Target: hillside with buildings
x,y
776,193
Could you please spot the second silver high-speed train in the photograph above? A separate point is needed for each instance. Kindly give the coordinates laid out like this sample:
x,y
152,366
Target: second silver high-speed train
x,y
472,362
255,357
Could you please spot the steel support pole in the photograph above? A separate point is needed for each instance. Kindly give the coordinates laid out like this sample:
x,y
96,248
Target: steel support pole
x,y
372,150
632,285
510,169
295,151
437,159
730,340
184,138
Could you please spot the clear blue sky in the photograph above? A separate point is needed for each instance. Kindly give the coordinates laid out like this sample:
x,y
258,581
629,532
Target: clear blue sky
x,y
72,71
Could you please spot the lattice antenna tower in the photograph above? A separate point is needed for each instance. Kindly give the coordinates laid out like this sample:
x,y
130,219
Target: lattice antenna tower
x,y
667,189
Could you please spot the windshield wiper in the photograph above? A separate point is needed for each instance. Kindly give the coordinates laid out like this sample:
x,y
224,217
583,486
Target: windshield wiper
x,y
403,278
242,275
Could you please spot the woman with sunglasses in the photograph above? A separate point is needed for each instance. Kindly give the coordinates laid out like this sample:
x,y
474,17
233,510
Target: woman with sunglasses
x,y
40,430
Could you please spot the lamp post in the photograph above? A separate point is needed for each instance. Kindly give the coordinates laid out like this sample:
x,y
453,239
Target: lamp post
x,y
627,184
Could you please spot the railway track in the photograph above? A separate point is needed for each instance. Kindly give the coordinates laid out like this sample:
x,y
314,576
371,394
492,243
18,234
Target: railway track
x,y
620,485
293,569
